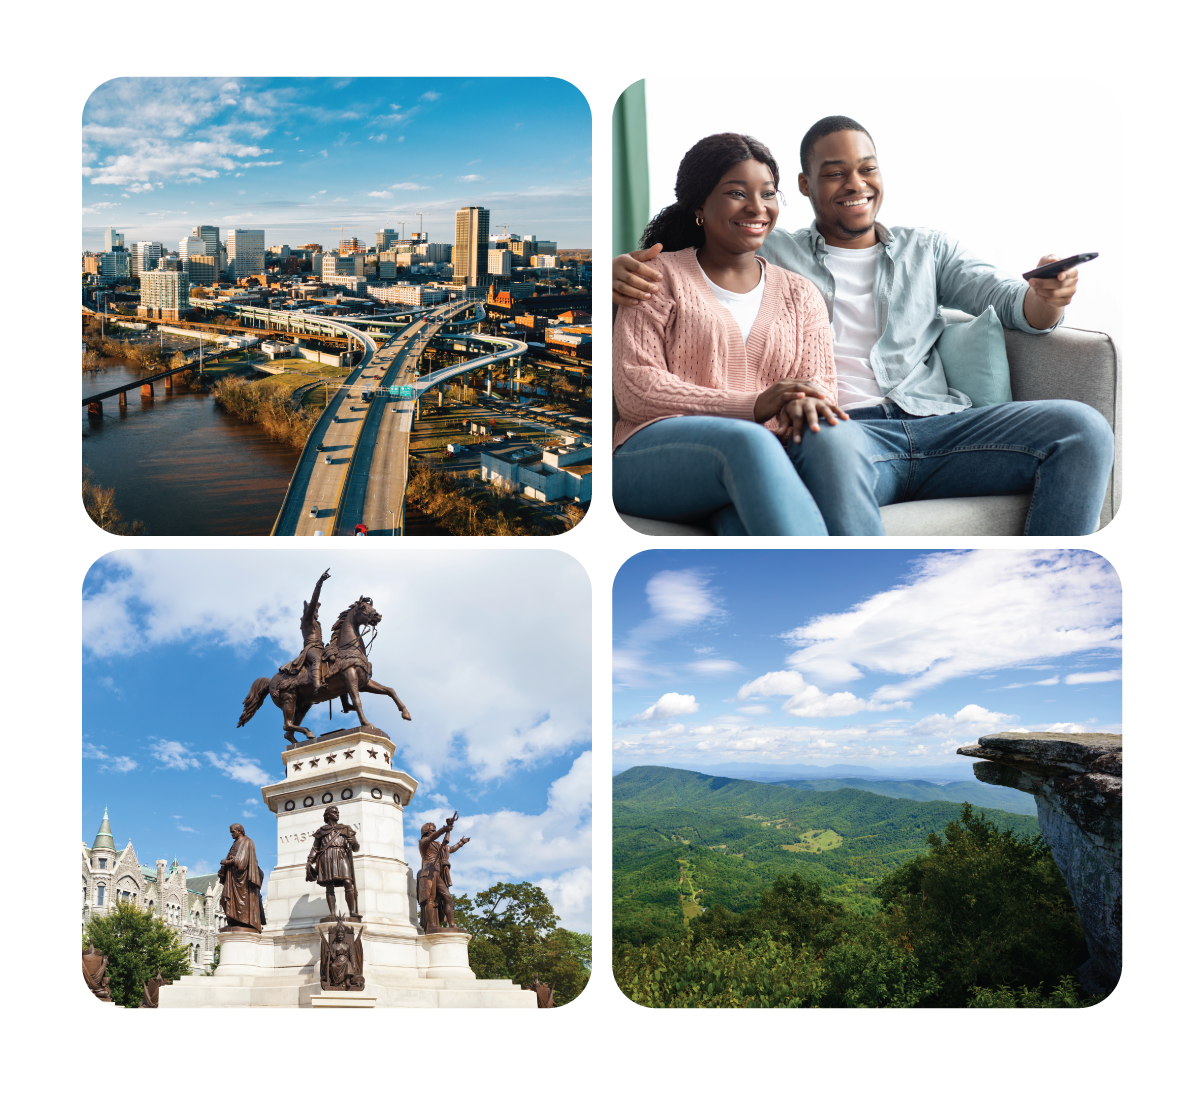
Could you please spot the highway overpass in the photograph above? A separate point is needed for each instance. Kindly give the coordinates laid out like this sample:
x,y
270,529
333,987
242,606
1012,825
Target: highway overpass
x,y
366,443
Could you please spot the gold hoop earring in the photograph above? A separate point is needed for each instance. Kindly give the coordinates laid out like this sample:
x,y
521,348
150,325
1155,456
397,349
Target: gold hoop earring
x,y
699,220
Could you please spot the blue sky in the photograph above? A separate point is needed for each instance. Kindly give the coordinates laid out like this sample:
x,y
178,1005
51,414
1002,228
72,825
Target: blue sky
x,y
300,157
499,690
880,658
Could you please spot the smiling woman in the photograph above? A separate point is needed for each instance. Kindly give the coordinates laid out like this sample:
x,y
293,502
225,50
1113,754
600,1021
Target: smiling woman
x,y
732,353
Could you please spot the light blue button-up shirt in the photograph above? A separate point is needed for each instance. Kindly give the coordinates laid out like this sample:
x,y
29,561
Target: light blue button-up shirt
x,y
918,271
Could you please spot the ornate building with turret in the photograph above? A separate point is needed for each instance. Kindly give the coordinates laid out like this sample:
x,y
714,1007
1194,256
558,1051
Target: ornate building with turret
x,y
189,906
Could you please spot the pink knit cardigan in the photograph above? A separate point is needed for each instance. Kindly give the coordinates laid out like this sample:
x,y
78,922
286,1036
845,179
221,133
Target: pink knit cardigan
x,y
681,353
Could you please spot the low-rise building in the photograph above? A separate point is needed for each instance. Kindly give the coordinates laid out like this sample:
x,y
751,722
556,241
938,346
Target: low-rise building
x,y
552,473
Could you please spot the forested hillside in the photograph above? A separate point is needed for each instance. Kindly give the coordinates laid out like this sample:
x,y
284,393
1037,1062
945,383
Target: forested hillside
x,y
729,892
740,836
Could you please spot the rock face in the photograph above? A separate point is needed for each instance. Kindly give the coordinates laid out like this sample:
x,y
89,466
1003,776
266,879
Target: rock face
x,y
1075,778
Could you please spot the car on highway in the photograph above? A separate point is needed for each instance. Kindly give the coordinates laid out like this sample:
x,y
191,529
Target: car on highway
x,y
328,460
312,512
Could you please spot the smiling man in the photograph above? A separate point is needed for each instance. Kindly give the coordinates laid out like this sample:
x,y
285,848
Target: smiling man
x,y
911,436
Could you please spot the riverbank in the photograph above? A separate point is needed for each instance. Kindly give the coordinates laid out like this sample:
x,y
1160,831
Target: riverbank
x,y
100,504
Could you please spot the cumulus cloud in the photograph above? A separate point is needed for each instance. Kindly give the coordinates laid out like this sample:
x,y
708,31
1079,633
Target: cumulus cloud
x,y
671,705
807,700
963,613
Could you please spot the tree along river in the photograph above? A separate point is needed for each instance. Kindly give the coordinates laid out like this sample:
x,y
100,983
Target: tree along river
x,y
181,464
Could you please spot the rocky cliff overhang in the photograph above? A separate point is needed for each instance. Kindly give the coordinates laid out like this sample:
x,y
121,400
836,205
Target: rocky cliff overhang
x,y
1075,779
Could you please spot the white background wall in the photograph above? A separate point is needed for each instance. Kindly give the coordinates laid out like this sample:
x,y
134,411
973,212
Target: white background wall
x,y
977,162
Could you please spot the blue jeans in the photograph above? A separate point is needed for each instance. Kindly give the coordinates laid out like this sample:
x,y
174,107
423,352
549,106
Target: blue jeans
x,y
835,481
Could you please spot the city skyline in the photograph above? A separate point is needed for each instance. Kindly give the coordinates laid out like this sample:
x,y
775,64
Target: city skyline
x,y
310,158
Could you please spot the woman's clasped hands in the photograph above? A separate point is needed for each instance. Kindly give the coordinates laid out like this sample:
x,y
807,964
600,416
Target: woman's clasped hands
x,y
797,402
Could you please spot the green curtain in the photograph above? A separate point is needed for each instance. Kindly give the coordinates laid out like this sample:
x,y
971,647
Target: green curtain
x,y
631,169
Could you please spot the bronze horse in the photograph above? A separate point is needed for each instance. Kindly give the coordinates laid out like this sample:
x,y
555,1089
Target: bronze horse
x,y
345,672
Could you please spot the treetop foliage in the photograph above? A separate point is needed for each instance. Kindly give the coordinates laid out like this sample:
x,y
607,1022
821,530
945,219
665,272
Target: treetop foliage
x,y
138,945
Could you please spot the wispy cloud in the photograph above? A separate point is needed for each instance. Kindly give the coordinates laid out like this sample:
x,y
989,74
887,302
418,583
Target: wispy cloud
x,y
117,764
469,179
173,755
1023,606
241,769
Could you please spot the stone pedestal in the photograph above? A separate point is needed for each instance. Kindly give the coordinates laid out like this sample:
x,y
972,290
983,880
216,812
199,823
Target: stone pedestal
x,y
353,770
1076,781
447,955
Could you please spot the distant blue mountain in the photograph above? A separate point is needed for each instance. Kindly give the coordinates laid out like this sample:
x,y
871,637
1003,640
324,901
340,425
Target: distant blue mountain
x,y
779,773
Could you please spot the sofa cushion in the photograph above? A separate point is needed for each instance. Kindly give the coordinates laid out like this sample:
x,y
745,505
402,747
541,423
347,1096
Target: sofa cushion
x,y
975,360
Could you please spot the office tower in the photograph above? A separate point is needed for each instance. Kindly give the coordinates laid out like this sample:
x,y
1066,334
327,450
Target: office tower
x,y
547,248
471,246
211,236
198,265
113,241
245,248
434,253
385,238
499,262
115,266
146,255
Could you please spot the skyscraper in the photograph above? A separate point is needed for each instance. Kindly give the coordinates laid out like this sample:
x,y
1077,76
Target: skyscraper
x,y
471,246
113,241
146,255
385,238
245,248
198,265
211,236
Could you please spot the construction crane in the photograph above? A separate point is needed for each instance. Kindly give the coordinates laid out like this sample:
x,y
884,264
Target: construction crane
x,y
342,237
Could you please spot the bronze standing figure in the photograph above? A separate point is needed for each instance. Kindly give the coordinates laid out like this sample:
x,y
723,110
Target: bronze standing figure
x,y
433,882
339,670
331,862
241,882
150,990
95,973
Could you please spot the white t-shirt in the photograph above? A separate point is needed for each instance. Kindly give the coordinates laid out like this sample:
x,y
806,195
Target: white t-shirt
x,y
854,332
744,307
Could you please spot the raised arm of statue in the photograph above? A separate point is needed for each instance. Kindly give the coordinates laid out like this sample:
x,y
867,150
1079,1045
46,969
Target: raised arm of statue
x,y
310,606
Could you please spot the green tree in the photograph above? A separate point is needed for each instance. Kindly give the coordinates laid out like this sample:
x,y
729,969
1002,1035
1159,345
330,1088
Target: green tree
x,y
138,945
98,502
515,935
983,908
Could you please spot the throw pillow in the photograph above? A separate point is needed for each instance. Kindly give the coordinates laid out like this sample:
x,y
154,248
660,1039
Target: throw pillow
x,y
975,360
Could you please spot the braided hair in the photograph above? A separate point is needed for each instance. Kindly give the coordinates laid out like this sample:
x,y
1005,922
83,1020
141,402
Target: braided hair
x,y
703,165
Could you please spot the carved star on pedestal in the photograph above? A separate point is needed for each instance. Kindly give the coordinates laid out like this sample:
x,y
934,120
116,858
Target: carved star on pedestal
x,y
314,763
331,759
348,753
372,753
385,757
297,767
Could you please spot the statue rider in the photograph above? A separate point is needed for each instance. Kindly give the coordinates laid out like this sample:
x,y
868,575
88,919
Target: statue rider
x,y
314,642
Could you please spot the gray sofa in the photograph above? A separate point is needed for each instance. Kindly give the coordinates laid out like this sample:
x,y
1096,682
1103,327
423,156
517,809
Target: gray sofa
x,y
1069,363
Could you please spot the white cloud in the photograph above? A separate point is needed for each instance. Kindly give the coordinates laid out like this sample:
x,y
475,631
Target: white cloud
x,y
966,613
472,178
671,705
380,194
429,97
807,700
754,710
1093,677
118,764
241,769
185,828
171,754
409,187
203,867
714,667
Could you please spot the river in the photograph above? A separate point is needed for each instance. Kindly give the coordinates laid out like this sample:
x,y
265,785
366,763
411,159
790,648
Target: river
x,y
182,465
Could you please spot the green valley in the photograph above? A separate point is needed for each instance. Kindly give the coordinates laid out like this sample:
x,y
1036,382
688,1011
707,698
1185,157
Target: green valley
x,y
734,893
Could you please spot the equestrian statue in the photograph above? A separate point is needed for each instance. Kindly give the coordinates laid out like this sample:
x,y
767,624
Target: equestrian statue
x,y
322,672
